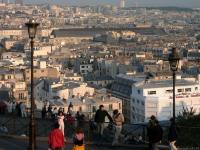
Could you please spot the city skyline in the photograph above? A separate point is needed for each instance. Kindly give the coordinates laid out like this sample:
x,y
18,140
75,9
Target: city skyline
x,y
139,3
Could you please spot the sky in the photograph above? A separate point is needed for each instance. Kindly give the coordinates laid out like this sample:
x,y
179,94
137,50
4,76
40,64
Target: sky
x,y
140,3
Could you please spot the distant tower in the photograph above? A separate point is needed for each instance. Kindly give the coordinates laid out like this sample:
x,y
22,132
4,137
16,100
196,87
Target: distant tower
x,y
19,2
122,3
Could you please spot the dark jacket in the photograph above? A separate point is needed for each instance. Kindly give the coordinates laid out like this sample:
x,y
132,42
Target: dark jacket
x,y
172,135
100,116
155,133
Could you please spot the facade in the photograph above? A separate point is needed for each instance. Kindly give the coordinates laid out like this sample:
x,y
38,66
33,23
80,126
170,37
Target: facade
x,y
83,66
42,73
73,76
154,97
122,3
122,88
71,89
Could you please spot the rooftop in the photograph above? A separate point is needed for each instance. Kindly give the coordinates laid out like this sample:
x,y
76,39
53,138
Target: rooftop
x,y
164,83
90,32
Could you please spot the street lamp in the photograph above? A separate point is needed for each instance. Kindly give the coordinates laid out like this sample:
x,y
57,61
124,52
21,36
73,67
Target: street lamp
x,y
174,61
32,28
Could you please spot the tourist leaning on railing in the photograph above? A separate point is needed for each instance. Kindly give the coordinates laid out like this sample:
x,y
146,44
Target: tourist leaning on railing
x,y
118,120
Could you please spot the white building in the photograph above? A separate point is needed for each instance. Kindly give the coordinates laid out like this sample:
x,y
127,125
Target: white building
x,y
122,3
69,89
155,97
42,51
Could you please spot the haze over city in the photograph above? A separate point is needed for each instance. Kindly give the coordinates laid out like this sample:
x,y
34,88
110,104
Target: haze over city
x,y
140,3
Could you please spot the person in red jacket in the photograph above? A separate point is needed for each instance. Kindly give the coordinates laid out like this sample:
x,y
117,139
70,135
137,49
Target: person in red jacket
x,y
56,138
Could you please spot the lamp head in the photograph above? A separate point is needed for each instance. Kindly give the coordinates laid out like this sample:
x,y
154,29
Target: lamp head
x,y
32,28
174,60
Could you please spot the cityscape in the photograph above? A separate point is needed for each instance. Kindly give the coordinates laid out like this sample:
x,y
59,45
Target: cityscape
x,y
120,58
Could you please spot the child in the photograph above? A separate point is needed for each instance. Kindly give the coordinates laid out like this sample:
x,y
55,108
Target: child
x,y
79,140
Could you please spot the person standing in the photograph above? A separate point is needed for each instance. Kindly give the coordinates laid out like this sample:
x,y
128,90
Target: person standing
x,y
78,140
154,132
118,120
61,118
172,135
100,119
23,110
44,111
56,138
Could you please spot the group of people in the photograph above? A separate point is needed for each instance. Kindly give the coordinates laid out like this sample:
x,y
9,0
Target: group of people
x,y
117,120
50,112
155,134
154,130
16,108
56,137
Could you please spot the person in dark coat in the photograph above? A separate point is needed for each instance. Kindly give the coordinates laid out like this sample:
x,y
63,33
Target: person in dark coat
x,y
172,135
154,132
100,119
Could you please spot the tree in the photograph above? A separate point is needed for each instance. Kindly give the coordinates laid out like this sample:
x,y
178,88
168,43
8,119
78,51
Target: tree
x,y
188,128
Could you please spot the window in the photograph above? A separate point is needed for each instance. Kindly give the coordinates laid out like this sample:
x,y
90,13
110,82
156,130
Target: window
x,y
188,90
110,107
151,92
142,103
133,100
169,91
21,95
133,108
138,101
180,90
196,88
138,91
82,66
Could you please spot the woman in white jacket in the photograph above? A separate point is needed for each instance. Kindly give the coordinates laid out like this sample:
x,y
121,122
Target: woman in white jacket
x,y
61,118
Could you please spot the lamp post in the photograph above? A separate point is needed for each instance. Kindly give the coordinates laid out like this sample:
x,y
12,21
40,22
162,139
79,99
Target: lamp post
x,y
32,28
174,61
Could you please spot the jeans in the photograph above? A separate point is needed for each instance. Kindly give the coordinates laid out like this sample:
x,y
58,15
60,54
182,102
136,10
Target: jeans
x,y
117,134
100,128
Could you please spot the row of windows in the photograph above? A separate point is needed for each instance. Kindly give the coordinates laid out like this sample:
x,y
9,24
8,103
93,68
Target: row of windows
x,y
138,101
171,90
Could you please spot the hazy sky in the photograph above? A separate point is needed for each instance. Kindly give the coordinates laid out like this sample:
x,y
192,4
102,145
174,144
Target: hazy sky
x,y
180,3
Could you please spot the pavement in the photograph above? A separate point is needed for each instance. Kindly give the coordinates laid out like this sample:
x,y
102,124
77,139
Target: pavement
x,y
20,144
10,142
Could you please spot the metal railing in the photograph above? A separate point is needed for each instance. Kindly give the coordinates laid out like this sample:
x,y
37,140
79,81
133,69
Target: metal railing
x,y
134,134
